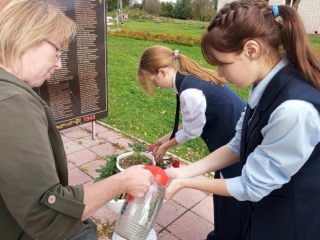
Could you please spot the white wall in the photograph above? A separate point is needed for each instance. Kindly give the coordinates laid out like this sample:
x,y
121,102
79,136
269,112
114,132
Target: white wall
x,y
309,11
221,3
279,2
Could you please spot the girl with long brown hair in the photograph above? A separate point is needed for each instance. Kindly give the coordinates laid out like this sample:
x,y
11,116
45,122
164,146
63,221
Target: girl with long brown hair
x,y
278,138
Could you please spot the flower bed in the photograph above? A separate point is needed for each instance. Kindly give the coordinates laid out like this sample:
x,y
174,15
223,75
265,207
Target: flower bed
x,y
160,37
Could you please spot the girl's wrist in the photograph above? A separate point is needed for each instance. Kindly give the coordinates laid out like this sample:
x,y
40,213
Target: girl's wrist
x,y
178,172
182,182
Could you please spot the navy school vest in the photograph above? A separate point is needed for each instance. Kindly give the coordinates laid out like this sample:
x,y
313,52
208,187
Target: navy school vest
x,y
291,212
223,111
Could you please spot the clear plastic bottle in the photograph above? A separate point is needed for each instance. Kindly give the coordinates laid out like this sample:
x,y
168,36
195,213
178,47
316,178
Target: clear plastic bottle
x,y
138,215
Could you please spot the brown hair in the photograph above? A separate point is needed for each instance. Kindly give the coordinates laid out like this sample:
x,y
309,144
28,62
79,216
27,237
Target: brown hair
x,y
240,21
156,57
26,23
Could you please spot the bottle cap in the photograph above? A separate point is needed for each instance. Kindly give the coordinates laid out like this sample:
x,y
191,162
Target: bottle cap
x,y
159,174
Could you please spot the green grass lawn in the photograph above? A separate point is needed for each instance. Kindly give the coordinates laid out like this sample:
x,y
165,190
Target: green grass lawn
x,y
184,28
315,42
130,109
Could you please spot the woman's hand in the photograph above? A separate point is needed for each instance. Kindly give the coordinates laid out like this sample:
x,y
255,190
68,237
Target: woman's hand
x,y
137,180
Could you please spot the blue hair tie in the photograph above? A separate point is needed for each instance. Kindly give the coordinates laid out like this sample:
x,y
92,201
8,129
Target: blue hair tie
x,y
275,10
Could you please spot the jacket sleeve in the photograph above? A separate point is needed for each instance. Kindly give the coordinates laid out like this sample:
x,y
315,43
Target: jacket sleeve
x,y
30,186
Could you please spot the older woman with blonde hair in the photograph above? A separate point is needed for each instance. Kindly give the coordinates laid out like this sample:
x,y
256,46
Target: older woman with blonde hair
x,y
35,199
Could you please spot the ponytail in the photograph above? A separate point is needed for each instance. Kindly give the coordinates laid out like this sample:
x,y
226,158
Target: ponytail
x,y
296,44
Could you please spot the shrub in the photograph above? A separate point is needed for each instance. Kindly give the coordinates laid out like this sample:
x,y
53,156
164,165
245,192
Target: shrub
x,y
160,37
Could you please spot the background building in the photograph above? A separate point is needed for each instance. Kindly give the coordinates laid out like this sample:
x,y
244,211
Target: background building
x,y
309,11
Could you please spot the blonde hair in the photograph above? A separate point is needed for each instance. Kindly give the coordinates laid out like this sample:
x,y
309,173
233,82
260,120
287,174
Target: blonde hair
x,y
26,23
156,57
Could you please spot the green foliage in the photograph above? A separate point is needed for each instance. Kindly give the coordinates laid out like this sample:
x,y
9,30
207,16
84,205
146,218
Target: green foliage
x,y
166,9
152,7
204,10
109,169
136,13
315,42
138,149
113,4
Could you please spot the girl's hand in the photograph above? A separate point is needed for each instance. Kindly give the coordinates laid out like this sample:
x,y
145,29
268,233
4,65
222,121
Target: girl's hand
x,y
173,172
159,153
160,142
175,185
156,145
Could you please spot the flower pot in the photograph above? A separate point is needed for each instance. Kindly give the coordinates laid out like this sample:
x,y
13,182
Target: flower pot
x,y
115,206
124,155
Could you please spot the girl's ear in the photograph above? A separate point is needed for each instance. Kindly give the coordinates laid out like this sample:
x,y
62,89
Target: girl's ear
x,y
252,49
162,71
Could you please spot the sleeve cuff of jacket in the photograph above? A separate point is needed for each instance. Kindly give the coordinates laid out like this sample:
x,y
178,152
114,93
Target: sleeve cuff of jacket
x,y
63,204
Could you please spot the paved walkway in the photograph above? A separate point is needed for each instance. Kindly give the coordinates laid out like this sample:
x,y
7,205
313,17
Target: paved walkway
x,y
189,215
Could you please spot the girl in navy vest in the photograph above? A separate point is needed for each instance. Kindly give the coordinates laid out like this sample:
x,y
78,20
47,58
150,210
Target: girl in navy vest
x,y
277,139
210,110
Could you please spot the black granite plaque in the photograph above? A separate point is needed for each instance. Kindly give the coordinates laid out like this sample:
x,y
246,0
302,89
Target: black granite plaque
x,y
77,93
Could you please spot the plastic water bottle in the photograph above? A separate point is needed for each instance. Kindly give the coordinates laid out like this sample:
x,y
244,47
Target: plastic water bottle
x,y
138,215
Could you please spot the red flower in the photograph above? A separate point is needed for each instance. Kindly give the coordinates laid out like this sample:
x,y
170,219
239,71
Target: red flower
x,y
150,148
175,164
